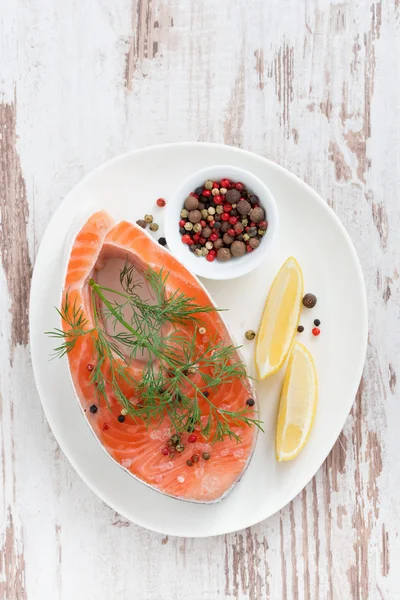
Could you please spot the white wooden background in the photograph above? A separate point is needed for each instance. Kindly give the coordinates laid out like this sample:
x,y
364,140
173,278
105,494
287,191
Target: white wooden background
x,y
311,84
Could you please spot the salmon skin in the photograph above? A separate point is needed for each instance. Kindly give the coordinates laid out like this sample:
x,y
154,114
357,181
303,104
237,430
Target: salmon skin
x,y
97,253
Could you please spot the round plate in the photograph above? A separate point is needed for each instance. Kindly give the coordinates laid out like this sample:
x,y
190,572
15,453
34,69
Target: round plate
x,y
127,187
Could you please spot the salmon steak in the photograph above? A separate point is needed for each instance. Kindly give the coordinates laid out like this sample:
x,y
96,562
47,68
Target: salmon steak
x,y
153,365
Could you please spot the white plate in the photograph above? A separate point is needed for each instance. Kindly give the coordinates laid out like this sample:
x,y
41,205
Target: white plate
x,y
128,187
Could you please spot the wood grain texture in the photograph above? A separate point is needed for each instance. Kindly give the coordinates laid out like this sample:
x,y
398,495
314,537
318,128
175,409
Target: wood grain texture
x,y
311,84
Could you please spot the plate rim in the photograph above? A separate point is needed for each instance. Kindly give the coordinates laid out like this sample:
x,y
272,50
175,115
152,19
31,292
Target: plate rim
x,y
363,309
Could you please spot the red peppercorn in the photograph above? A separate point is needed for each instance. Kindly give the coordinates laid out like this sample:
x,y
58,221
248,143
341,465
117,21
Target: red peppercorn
x,y
316,331
247,228
195,458
224,217
190,242
239,186
203,223
182,223
210,257
206,193
192,437
249,248
212,251
263,225
202,241
211,223
227,207
196,237
252,224
105,427
215,185
165,451
218,199
186,238
225,183
213,237
233,220
231,185
161,202
231,232
90,367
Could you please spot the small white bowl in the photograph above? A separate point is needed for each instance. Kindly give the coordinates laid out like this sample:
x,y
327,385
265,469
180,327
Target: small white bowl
x,y
236,267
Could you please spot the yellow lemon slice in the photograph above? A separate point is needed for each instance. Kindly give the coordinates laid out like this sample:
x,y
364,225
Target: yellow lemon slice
x,y
280,319
297,405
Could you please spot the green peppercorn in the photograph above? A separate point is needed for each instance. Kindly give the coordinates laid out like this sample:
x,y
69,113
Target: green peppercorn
x,y
179,448
215,192
262,231
219,210
208,184
204,213
148,218
184,213
175,439
246,237
197,227
188,226
153,226
250,334
223,191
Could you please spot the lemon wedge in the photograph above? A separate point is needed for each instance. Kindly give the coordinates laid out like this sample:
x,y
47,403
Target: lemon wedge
x,y
280,319
297,405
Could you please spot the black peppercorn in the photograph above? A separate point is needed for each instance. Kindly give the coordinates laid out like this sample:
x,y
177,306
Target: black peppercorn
x,y
206,456
199,191
93,408
309,300
162,241
182,230
206,394
317,322
121,418
189,463
300,329
250,402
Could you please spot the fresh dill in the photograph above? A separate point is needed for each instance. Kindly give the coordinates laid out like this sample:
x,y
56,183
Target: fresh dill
x,y
164,331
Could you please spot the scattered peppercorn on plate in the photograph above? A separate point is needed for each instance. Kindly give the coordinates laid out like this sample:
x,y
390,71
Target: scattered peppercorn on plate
x,y
302,414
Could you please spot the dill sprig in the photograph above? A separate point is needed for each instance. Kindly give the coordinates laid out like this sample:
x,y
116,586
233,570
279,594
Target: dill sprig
x,y
160,328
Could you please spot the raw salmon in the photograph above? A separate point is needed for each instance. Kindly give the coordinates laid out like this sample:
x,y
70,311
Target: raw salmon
x,y
98,251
